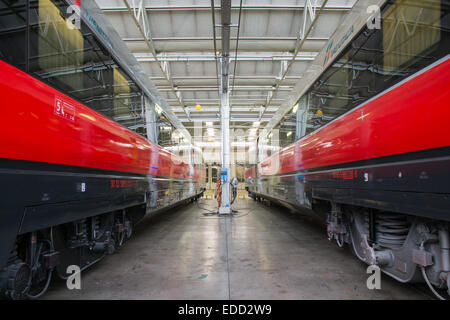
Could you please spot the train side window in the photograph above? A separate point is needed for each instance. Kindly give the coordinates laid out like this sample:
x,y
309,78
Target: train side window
x,y
287,127
127,105
56,51
151,132
414,34
214,174
98,77
165,129
411,36
121,96
13,26
365,76
74,62
329,95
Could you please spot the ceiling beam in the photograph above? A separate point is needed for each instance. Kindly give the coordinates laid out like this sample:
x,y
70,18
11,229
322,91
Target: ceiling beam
x,y
232,119
343,7
140,18
311,8
251,44
210,57
214,88
241,38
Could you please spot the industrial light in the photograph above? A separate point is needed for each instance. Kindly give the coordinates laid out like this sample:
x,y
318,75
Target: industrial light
x,y
208,144
295,108
158,108
209,124
289,133
256,123
198,107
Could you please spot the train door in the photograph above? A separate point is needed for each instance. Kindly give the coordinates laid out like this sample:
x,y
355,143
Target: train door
x,y
212,174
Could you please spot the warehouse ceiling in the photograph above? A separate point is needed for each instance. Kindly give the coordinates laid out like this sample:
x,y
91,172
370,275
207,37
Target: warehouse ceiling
x,y
174,42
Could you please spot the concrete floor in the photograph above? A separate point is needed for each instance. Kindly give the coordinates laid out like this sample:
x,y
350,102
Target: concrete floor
x,y
260,253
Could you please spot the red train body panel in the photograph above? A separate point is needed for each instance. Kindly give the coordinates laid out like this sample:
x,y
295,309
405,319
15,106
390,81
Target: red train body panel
x,y
413,116
34,127
75,182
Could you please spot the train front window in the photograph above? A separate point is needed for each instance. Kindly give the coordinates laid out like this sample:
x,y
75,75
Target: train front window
x,y
13,32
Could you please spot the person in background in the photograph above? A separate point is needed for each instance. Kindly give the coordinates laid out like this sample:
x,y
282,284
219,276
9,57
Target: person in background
x,y
234,184
218,191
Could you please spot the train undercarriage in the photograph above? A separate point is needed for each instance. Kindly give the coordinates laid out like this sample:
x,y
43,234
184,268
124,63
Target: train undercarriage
x,y
408,248
43,255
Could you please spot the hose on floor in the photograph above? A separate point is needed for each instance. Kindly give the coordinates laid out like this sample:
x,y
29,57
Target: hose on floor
x,y
424,274
213,213
44,290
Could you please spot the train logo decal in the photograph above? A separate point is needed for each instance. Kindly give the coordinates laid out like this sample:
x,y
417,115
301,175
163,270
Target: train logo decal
x,y
330,53
102,33
64,109
327,56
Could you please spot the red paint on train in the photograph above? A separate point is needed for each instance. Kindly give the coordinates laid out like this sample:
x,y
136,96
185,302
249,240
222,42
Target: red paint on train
x,y
411,117
41,124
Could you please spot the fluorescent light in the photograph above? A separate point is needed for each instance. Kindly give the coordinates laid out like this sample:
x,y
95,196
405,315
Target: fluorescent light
x,y
208,144
209,123
289,133
295,108
256,124
239,144
158,108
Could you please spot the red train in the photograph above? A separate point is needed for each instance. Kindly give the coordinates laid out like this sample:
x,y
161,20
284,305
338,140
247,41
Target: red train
x,y
77,167
367,147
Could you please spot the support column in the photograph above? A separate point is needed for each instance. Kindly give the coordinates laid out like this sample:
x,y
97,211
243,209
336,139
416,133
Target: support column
x,y
225,207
